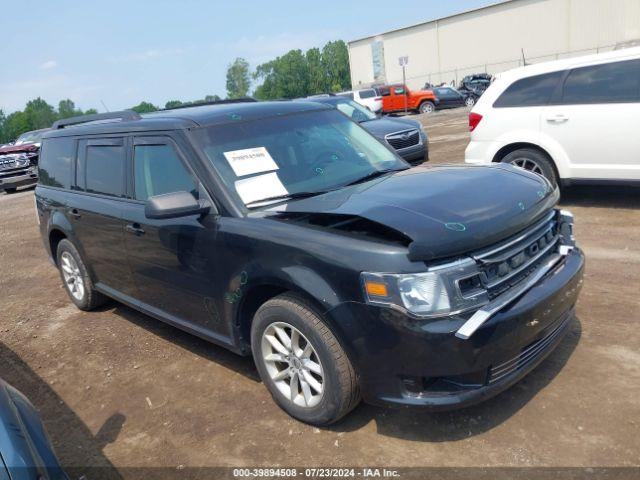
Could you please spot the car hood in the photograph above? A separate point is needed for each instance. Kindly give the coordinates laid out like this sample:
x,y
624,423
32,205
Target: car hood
x,y
444,211
384,126
25,147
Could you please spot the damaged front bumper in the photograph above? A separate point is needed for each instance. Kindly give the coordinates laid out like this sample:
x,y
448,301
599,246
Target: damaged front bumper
x,y
457,360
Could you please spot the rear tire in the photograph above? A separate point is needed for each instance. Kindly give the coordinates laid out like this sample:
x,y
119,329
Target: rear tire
x,y
533,161
470,102
11,190
307,373
75,277
426,107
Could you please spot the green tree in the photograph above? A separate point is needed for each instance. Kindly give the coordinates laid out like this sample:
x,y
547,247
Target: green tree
x,y
3,120
212,98
144,107
15,125
66,109
91,111
335,62
317,76
238,81
285,77
39,114
172,104
295,74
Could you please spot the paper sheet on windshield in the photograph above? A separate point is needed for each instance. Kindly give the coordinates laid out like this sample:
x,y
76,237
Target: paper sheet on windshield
x,y
250,160
259,187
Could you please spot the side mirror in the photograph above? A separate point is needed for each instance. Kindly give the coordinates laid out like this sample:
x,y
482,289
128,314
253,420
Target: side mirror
x,y
173,205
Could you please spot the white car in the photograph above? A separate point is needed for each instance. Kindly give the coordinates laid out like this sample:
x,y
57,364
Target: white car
x,y
367,97
573,120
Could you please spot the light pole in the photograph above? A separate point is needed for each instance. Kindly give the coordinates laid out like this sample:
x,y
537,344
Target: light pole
x,y
403,61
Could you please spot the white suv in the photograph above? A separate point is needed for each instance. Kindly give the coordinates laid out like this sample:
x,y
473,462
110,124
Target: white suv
x,y
367,97
573,120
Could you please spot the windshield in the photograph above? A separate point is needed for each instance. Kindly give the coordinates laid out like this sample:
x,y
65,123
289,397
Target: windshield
x,y
302,153
355,111
29,137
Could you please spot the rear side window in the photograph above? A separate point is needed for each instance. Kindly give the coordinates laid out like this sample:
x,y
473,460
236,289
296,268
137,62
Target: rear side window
x,y
104,169
609,83
367,93
385,91
530,91
398,90
55,162
158,170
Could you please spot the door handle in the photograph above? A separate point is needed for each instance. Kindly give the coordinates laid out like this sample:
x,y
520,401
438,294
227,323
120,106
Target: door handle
x,y
134,228
560,118
74,213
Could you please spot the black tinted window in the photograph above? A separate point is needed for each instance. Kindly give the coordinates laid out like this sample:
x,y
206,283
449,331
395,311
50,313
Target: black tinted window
x,y
367,93
158,170
609,83
55,162
530,91
385,92
104,169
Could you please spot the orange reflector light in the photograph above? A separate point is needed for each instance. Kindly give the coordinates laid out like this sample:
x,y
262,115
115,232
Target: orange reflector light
x,y
377,289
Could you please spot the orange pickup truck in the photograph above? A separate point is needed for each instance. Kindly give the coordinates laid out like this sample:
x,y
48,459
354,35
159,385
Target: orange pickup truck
x,y
393,99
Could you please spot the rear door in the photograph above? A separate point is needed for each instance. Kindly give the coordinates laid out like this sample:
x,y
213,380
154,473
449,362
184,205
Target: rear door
x,y
172,260
94,209
595,118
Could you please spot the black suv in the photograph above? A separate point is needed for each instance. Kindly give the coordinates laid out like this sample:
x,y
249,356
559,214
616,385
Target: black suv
x,y
286,231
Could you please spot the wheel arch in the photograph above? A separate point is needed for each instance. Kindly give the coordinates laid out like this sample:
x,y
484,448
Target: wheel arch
x,y
512,147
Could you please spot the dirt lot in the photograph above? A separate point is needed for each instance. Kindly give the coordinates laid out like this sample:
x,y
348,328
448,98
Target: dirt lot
x,y
119,389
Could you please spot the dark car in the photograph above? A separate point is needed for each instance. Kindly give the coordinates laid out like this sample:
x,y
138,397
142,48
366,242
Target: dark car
x,y
284,230
473,86
19,161
406,137
25,448
449,97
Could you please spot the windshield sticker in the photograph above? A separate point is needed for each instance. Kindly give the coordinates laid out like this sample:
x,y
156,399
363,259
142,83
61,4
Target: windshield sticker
x,y
250,161
259,187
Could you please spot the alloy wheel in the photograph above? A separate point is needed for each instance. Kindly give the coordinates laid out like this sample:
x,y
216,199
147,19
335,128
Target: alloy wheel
x,y
470,102
527,164
72,276
293,364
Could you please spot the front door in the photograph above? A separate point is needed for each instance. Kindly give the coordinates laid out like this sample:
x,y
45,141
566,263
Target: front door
x,y
172,260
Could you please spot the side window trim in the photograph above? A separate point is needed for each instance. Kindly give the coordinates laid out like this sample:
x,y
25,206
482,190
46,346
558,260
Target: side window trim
x,y
560,98
79,185
155,140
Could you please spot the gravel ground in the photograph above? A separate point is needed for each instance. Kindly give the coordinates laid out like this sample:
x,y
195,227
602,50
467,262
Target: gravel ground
x,y
119,389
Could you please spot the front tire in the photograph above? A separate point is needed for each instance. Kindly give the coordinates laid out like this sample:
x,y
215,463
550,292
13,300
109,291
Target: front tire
x,y
533,161
427,107
301,362
11,190
75,277
470,102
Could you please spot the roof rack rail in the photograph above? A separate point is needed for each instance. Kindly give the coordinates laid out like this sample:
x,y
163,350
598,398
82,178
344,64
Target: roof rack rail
x,y
124,115
214,102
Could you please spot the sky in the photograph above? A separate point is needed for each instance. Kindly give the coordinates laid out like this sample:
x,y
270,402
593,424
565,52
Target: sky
x,y
120,52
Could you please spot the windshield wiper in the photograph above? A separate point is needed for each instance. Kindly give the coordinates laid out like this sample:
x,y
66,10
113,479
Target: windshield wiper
x,y
374,174
287,196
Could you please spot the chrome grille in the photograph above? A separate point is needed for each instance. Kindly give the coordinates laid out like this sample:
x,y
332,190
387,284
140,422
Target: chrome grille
x,y
400,140
506,264
530,353
8,162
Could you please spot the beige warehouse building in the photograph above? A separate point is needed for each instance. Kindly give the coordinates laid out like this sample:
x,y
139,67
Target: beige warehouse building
x,y
493,39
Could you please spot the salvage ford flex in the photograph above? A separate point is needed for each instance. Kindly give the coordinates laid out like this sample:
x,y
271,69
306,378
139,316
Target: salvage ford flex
x,y
286,231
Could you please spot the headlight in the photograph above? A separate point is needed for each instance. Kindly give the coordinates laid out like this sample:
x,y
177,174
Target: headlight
x,y
440,291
